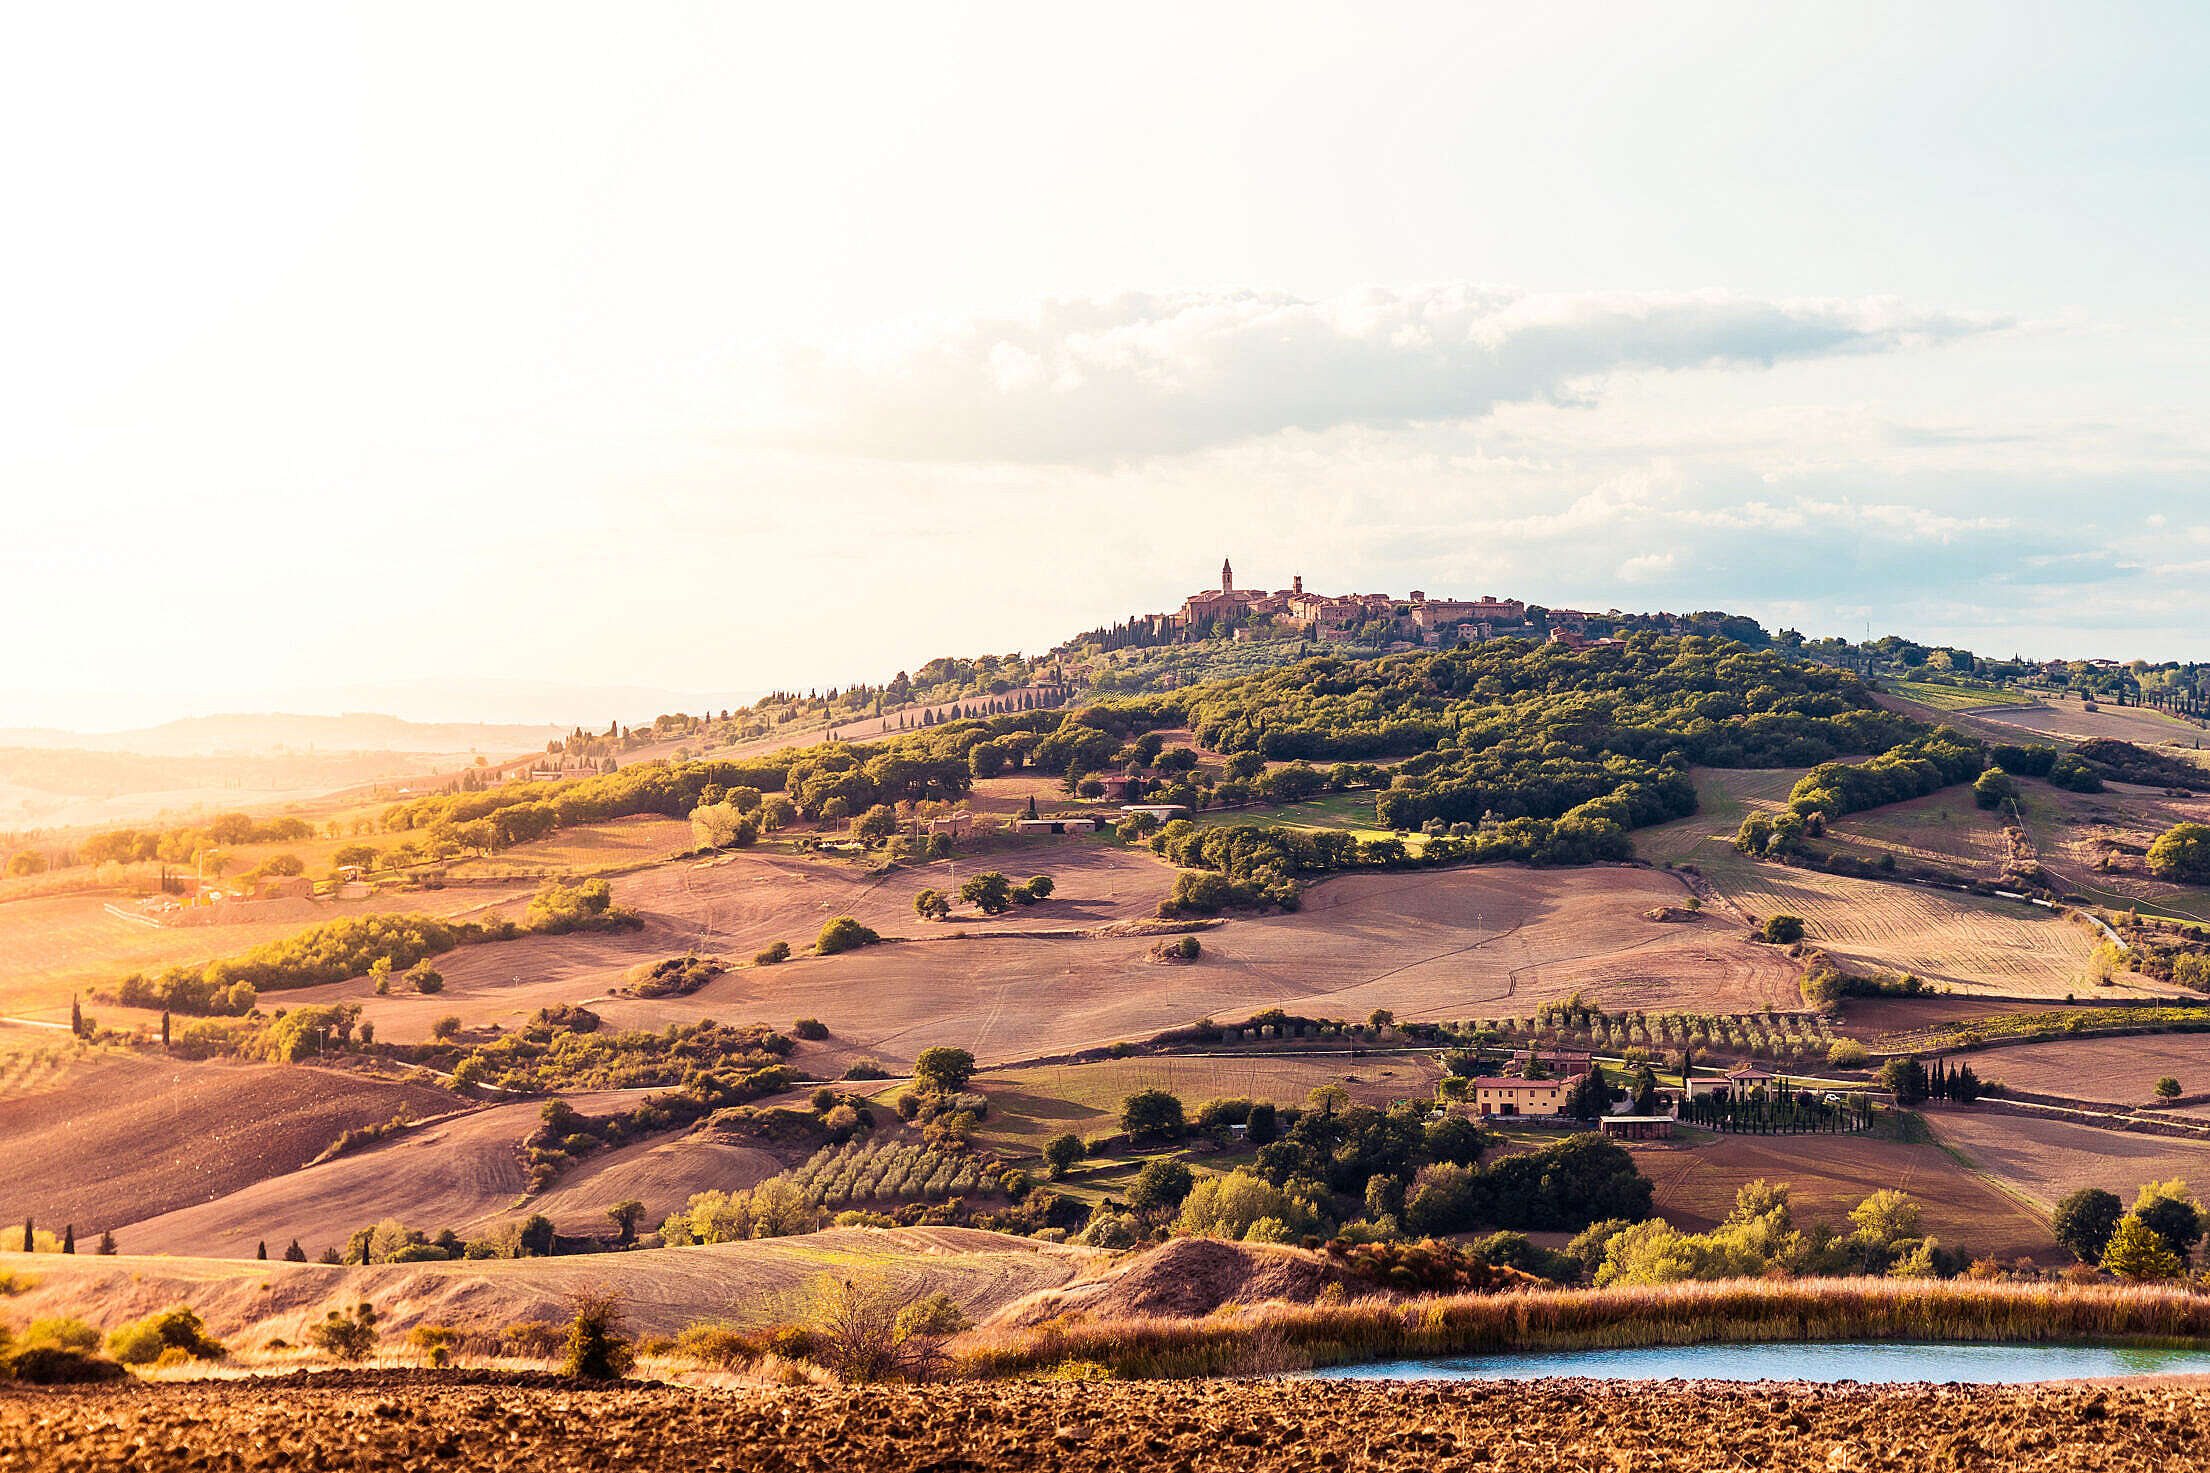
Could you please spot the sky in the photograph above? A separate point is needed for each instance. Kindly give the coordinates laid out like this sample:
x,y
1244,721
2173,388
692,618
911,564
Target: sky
x,y
472,360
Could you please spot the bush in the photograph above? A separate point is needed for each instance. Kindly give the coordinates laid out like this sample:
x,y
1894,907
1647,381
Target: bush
x,y
1993,788
1847,1053
346,1336
63,1333
721,1347
57,1365
179,1329
1781,930
597,1350
779,952
810,1028
843,934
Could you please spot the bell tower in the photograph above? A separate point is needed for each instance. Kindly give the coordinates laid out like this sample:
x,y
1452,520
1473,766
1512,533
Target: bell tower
x,y
1227,577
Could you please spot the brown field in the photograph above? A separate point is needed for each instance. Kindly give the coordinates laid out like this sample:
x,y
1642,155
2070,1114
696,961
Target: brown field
x,y
1724,797
1945,828
1962,942
734,907
584,850
464,1173
1446,944
2097,843
2119,1070
2135,724
1828,1175
755,1283
52,946
126,1137
388,1419
662,1173
1029,1106
1875,1020
2044,1160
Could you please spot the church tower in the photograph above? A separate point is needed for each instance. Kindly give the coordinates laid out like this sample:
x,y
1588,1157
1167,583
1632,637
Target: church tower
x,y
1227,577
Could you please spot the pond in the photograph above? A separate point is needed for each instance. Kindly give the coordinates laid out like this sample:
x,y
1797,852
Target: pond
x,y
1795,1361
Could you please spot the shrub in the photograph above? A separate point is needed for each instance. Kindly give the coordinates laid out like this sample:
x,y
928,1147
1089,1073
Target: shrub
x,y
346,1336
530,1339
58,1365
178,1329
843,934
1781,930
1847,1053
63,1333
866,1069
1993,788
779,952
723,1347
597,1350
810,1028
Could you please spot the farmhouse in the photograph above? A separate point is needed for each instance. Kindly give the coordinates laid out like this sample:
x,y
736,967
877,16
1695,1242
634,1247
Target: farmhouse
x,y
1503,1095
1637,1127
1055,826
1163,812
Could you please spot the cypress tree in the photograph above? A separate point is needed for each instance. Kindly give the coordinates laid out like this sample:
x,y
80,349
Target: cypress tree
x,y
76,1016
164,1027
262,1252
69,1238
107,1245
27,1239
295,1253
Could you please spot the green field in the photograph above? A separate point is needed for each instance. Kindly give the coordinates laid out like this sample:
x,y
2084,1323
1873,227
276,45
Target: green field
x,y
1959,697
1351,812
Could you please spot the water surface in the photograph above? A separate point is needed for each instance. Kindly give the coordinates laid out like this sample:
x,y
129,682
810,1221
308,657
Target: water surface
x,y
1884,1361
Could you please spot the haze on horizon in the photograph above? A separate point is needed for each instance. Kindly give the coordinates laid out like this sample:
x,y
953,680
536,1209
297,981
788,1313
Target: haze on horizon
x,y
708,349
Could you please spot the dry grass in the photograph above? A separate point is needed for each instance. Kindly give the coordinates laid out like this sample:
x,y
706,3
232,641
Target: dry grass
x,y
1284,1337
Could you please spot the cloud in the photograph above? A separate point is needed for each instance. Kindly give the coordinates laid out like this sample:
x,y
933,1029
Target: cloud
x,y
1136,376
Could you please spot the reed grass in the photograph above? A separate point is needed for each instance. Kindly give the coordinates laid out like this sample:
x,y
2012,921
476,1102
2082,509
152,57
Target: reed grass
x,y
1281,1337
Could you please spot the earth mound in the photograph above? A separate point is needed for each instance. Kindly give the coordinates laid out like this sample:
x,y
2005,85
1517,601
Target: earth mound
x,y
1188,1278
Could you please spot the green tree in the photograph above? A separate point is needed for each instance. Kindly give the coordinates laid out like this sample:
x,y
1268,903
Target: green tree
x,y
1589,1098
1152,1112
1905,1078
2137,1251
943,1069
1160,1185
2084,1221
1993,788
2167,1088
626,1216
932,905
2168,1207
1782,930
1061,1152
989,892
876,824
2182,852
